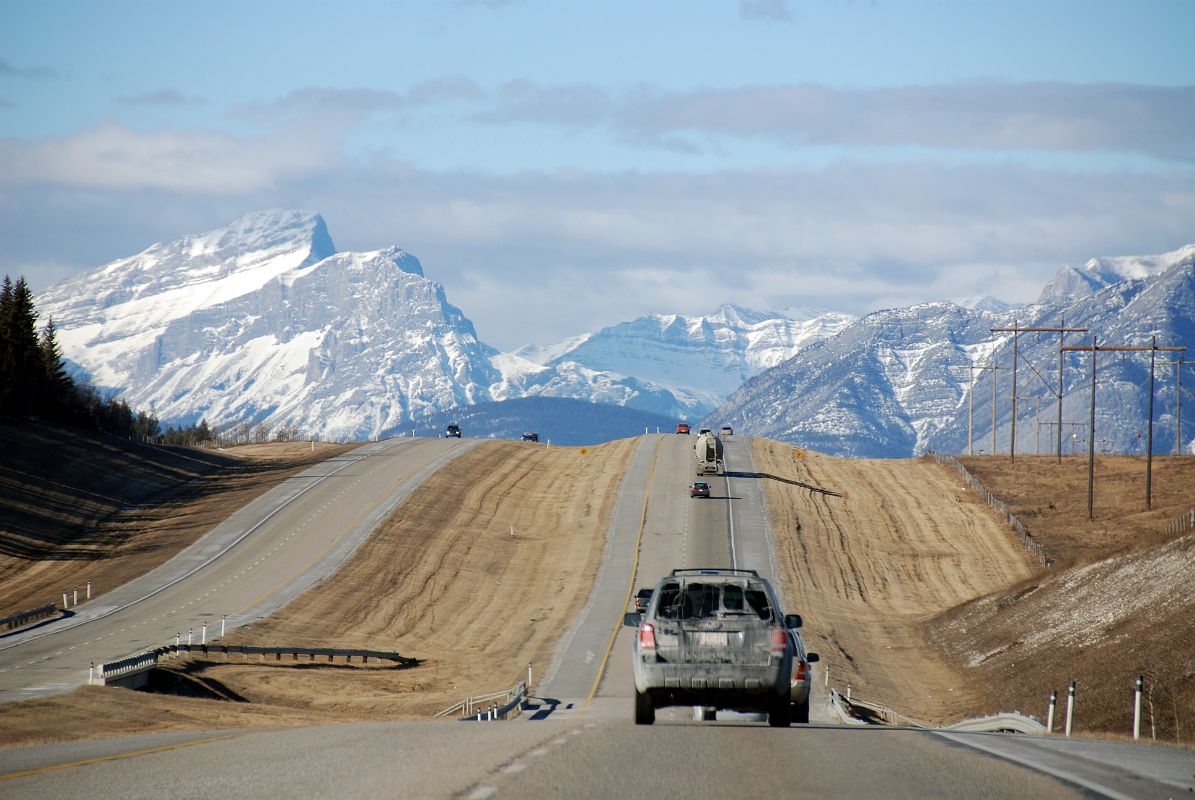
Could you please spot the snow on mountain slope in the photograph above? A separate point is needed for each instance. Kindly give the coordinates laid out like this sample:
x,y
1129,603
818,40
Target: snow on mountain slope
x,y
353,347
1098,273
896,382
695,360
108,315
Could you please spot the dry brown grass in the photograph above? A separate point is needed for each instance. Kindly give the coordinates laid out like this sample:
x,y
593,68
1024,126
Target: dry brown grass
x,y
442,580
1118,602
83,507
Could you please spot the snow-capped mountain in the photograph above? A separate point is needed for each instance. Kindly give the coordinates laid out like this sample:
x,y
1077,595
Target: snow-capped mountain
x,y
264,322
1074,282
898,382
696,361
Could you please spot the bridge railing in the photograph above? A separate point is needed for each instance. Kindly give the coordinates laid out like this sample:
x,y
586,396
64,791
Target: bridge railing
x,y
124,668
25,617
485,706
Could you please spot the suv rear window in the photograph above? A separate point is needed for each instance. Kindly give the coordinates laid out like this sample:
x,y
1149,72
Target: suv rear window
x,y
712,599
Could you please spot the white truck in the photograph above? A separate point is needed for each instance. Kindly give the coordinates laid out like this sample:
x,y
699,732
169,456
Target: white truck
x,y
708,452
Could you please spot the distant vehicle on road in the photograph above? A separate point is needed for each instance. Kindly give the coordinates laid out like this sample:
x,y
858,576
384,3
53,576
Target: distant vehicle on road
x,y
682,427
708,452
802,677
727,430
642,598
452,431
714,638
699,489
530,437
703,431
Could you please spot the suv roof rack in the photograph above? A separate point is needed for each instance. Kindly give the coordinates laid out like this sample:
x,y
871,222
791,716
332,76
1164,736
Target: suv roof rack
x,y
713,571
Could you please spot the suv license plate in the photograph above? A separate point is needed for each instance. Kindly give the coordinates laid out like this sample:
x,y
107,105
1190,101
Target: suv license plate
x,y
711,639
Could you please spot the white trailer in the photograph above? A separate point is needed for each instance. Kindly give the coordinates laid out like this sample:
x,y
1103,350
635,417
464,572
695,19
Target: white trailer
x,y
708,452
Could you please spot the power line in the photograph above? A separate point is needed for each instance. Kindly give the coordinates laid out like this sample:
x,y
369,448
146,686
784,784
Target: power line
x,y
1153,348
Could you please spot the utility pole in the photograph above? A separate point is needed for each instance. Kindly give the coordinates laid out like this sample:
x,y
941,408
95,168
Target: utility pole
x,y
971,407
1062,330
1153,348
1178,403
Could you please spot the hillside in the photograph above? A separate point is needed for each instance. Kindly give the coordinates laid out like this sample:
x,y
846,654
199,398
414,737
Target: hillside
x,y
915,593
912,615
80,506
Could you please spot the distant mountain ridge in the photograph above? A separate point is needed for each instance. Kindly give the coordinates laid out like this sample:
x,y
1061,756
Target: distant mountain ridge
x,y
264,322
898,382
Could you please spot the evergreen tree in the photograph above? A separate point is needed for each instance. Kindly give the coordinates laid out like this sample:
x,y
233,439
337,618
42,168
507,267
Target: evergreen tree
x,y
59,388
22,368
8,374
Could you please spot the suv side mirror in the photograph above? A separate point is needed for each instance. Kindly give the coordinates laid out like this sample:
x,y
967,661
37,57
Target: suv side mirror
x,y
632,619
812,658
793,621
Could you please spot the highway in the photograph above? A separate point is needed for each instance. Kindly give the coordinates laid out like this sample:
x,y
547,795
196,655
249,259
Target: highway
x,y
253,563
581,741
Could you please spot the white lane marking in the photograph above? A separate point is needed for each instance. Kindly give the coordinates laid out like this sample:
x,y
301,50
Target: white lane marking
x,y
482,792
539,752
512,769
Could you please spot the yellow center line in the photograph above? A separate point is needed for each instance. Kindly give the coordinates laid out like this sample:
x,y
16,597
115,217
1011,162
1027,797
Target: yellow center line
x,y
116,756
634,573
333,542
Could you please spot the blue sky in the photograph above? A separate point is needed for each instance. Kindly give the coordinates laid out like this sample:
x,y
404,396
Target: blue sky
x,y
561,166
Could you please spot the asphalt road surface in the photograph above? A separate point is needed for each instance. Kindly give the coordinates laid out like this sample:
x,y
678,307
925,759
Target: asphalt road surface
x,y
584,744
250,565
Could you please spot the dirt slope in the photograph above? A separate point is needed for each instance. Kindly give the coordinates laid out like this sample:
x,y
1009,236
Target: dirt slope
x,y
82,506
869,568
915,593
1119,602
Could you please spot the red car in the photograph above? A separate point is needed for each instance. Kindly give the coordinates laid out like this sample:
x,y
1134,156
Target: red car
x,y
699,489
682,427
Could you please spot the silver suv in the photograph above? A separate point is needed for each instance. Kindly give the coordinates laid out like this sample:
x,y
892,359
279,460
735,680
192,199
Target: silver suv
x,y
714,638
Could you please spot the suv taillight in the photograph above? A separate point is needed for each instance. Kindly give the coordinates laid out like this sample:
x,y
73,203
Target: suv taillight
x,y
647,636
799,672
779,640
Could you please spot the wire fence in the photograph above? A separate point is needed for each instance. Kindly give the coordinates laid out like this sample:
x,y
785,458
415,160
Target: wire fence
x,y
1184,523
996,503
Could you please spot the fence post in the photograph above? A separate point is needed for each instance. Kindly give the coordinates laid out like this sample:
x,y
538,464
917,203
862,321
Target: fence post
x,y
1137,708
1070,707
1050,711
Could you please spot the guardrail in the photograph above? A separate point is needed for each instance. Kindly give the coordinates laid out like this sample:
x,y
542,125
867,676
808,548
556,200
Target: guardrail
x,y
485,707
129,669
885,714
17,620
1184,523
999,505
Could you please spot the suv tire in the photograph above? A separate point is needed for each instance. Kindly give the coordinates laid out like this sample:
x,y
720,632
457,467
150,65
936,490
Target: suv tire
x,y
781,715
801,712
645,709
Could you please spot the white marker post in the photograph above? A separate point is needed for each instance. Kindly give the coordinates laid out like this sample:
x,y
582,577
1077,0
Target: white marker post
x,y
1070,707
203,634
223,620
1050,711
1137,708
